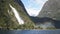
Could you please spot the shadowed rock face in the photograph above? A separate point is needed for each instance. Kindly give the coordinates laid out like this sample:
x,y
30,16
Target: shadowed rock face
x,y
22,5
44,20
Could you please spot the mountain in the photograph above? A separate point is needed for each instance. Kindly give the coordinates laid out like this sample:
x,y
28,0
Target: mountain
x,y
8,17
13,15
51,9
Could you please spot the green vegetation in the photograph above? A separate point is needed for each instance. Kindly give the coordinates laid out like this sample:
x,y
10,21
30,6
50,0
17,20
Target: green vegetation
x,y
8,20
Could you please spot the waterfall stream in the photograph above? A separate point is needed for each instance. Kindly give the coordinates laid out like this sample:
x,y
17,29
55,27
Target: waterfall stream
x,y
18,17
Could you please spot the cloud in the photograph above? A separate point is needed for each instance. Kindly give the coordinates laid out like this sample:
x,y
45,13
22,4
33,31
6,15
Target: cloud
x,y
33,7
32,11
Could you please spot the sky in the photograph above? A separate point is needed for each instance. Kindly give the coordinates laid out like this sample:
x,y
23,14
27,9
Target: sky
x,y
33,7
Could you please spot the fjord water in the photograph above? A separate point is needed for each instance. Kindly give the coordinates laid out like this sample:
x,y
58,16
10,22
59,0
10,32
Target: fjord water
x,y
29,31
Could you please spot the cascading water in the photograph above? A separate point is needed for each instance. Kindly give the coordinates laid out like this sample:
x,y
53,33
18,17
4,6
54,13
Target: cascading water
x,y
16,15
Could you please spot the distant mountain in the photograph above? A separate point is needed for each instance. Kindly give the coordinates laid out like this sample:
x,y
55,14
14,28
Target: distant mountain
x,y
51,9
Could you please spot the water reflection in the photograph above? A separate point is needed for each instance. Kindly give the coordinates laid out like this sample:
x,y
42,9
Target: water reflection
x,y
29,31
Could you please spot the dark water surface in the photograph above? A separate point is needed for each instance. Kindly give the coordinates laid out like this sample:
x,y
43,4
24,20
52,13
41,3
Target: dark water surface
x,y
30,32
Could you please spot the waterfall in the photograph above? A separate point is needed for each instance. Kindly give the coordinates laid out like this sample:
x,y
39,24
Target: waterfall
x,y
18,17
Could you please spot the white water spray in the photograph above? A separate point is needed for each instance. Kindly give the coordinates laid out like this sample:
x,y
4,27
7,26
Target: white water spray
x,y
46,25
16,15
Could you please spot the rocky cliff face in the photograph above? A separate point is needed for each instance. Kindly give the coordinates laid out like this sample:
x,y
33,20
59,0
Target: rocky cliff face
x,y
51,9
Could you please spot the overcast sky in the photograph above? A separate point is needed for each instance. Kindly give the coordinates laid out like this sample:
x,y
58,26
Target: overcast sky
x,y
33,7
